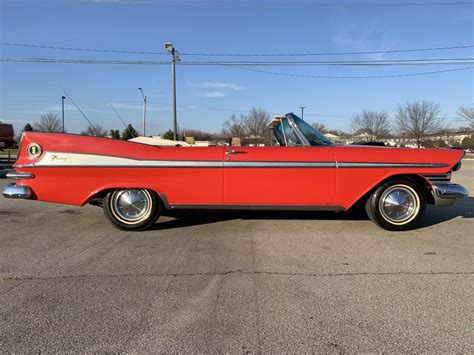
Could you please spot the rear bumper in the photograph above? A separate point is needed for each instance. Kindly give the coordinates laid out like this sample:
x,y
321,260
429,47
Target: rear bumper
x,y
446,193
16,191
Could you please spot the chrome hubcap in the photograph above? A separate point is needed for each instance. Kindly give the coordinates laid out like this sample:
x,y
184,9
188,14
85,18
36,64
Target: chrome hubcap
x,y
398,204
131,205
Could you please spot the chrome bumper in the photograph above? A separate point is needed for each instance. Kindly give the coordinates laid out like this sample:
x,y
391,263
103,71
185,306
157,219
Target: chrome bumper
x,y
446,193
16,191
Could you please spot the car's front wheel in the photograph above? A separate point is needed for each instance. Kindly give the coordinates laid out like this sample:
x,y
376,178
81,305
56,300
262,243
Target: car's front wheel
x,y
397,204
132,209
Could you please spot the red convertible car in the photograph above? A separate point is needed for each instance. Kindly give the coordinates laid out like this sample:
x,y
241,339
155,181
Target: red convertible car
x,y
136,183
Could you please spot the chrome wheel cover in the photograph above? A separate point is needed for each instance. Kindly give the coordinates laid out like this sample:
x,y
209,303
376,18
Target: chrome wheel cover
x,y
399,204
131,206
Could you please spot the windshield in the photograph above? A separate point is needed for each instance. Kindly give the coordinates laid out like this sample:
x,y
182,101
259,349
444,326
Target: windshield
x,y
314,137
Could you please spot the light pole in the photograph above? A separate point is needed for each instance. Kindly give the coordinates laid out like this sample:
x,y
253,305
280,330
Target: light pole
x,y
62,110
174,58
302,111
144,110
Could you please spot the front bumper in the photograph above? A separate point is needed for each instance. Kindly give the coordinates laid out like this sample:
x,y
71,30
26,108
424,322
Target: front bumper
x,y
446,193
16,191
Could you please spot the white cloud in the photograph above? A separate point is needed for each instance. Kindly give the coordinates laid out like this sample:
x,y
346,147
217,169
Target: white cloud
x,y
149,107
69,107
211,94
4,120
222,85
372,38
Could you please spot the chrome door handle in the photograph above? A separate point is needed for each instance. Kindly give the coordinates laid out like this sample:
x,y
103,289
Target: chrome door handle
x,y
235,152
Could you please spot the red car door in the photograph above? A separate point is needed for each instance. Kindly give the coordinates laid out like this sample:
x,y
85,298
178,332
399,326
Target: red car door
x,y
301,176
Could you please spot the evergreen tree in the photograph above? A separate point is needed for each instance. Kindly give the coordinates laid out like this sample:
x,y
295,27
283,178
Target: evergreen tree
x,y
115,133
129,133
168,135
28,128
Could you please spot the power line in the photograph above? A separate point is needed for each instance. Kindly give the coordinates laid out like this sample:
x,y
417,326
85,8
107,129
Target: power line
x,y
117,114
78,108
79,49
46,60
353,77
79,61
403,50
328,53
398,62
434,61
282,3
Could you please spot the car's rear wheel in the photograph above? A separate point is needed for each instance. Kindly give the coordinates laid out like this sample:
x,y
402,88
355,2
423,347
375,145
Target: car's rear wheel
x,y
396,205
132,209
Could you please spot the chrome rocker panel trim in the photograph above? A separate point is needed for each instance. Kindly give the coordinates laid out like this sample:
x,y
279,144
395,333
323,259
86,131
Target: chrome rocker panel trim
x,y
16,191
446,193
249,207
19,176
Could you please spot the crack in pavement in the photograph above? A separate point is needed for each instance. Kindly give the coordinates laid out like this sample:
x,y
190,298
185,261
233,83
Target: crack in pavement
x,y
238,271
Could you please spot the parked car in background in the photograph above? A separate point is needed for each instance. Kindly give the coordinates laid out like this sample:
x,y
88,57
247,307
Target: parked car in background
x,y
136,183
7,136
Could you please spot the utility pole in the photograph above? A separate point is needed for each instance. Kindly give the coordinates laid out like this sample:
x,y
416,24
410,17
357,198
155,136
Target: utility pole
x,y
144,110
174,58
302,111
62,110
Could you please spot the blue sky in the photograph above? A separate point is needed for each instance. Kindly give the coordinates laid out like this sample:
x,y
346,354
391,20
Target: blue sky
x,y
207,95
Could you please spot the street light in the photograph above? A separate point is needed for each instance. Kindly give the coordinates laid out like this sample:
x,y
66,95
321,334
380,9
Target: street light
x,y
62,110
144,110
174,58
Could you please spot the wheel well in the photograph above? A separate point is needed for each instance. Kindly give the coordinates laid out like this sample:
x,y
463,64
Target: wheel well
x,y
421,181
97,198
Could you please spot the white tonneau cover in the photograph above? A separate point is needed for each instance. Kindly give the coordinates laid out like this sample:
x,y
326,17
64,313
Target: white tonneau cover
x,y
158,141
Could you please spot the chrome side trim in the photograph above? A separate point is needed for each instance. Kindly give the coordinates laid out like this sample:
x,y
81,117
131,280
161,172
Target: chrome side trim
x,y
19,176
358,165
277,164
16,191
446,193
75,160
53,159
241,207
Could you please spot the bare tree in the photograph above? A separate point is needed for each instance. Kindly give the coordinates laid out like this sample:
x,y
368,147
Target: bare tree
x,y
95,130
48,123
255,124
418,119
373,123
234,127
198,134
467,114
319,127
251,128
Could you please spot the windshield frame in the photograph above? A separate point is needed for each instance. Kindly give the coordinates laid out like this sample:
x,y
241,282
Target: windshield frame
x,y
290,118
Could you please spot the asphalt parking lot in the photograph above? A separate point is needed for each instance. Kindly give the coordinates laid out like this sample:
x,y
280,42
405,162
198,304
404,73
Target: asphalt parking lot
x,y
236,282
